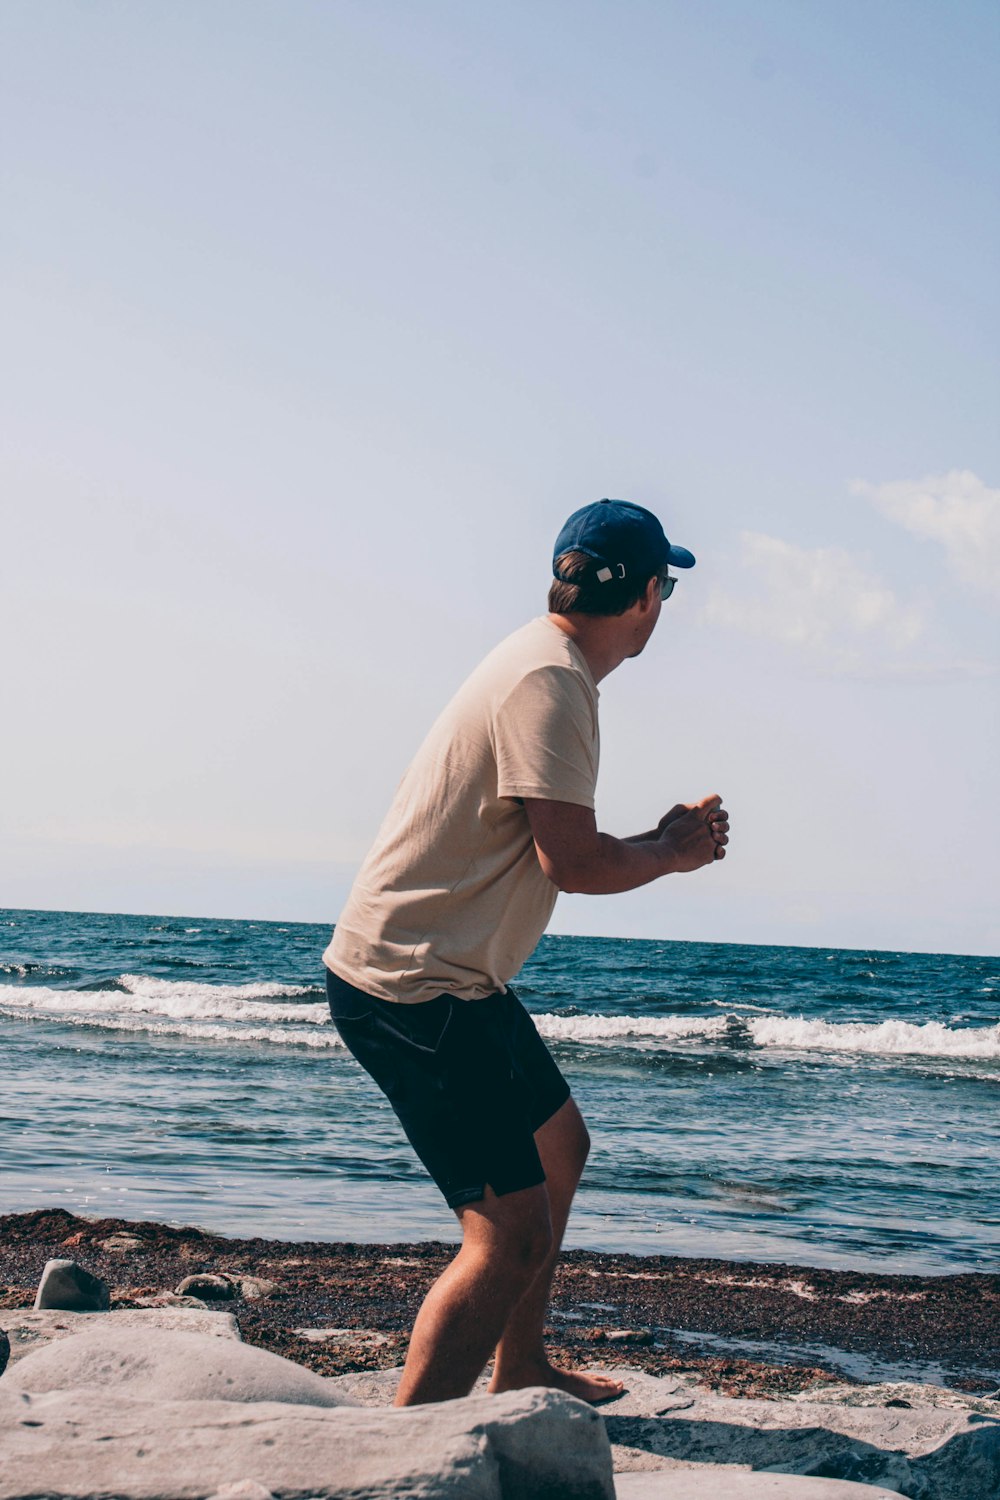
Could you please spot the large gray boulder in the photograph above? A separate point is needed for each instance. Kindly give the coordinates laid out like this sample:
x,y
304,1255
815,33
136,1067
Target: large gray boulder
x,y
923,1442
928,1452
153,1364
29,1330
729,1484
67,1286
525,1445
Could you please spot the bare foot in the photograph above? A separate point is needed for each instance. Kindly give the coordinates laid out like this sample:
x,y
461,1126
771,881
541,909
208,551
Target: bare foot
x,y
589,1386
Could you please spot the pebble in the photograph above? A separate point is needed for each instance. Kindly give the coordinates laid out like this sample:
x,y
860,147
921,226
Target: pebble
x,y
243,1489
209,1288
65,1286
121,1244
170,1299
256,1288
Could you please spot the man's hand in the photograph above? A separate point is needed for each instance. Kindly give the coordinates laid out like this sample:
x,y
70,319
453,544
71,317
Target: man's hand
x,y
577,857
697,832
671,816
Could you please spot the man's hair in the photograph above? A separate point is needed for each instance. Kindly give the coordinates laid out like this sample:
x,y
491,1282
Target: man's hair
x,y
586,594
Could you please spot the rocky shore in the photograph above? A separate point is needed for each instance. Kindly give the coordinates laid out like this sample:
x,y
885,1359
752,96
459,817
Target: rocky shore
x,y
152,1363
765,1331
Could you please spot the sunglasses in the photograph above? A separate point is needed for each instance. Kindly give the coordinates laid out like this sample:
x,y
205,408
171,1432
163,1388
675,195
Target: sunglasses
x,y
666,586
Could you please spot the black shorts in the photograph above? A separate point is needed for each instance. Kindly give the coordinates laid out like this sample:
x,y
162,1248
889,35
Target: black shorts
x,y
470,1080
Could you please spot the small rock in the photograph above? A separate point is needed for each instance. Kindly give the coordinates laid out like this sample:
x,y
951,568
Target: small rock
x,y
243,1489
211,1288
629,1336
120,1243
367,1337
4,1351
67,1287
169,1299
256,1288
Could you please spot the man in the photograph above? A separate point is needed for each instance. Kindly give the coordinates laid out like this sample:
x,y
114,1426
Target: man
x,y
494,817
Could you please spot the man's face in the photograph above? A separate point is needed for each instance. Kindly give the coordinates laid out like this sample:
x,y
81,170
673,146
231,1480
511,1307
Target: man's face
x,y
646,611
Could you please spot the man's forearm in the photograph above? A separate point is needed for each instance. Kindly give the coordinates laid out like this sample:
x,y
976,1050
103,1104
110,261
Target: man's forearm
x,y
617,865
649,837
576,856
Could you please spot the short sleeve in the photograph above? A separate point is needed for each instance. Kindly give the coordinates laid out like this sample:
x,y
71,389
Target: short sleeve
x,y
546,739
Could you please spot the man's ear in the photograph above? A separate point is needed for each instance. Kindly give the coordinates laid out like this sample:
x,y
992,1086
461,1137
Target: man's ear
x,y
651,595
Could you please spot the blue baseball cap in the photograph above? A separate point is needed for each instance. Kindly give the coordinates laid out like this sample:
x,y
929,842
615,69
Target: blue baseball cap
x,y
626,540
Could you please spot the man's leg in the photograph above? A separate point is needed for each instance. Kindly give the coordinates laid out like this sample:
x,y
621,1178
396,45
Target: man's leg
x,y
521,1360
505,1243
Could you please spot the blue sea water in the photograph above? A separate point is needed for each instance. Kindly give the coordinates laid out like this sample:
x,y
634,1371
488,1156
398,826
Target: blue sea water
x,y
815,1106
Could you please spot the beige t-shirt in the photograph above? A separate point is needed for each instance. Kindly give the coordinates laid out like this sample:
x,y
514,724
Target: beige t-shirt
x,y
451,898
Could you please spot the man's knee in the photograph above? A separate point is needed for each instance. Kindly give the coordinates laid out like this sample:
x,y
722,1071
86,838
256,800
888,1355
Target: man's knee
x,y
577,1134
523,1241
514,1232
530,1246
564,1142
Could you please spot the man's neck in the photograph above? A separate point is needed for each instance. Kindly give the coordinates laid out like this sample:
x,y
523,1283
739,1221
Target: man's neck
x,y
598,638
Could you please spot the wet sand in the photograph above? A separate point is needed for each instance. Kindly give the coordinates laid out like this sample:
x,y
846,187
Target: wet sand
x,y
742,1328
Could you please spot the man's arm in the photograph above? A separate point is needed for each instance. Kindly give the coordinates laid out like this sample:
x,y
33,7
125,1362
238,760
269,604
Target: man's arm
x,y
577,857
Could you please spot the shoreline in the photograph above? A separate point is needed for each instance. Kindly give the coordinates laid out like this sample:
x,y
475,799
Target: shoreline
x,y
741,1328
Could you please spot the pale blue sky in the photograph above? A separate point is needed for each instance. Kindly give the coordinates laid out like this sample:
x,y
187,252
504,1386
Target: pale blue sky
x,y
320,317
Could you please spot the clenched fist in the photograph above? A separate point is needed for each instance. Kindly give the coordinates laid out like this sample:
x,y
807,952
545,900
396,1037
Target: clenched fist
x,y
696,832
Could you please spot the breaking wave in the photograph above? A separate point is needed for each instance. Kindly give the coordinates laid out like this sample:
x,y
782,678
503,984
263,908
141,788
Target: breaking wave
x,y
927,1039
288,1014
137,995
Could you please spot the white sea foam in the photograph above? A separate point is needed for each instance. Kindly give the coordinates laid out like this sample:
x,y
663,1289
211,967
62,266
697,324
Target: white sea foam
x,y
625,1028
733,1005
929,1039
262,1013
143,996
169,989
318,1036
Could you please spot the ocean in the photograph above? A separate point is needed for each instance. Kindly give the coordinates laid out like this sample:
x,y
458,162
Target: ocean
x,y
812,1106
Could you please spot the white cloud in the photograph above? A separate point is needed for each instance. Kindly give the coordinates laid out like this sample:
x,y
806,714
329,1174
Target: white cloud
x,y
820,600
956,510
